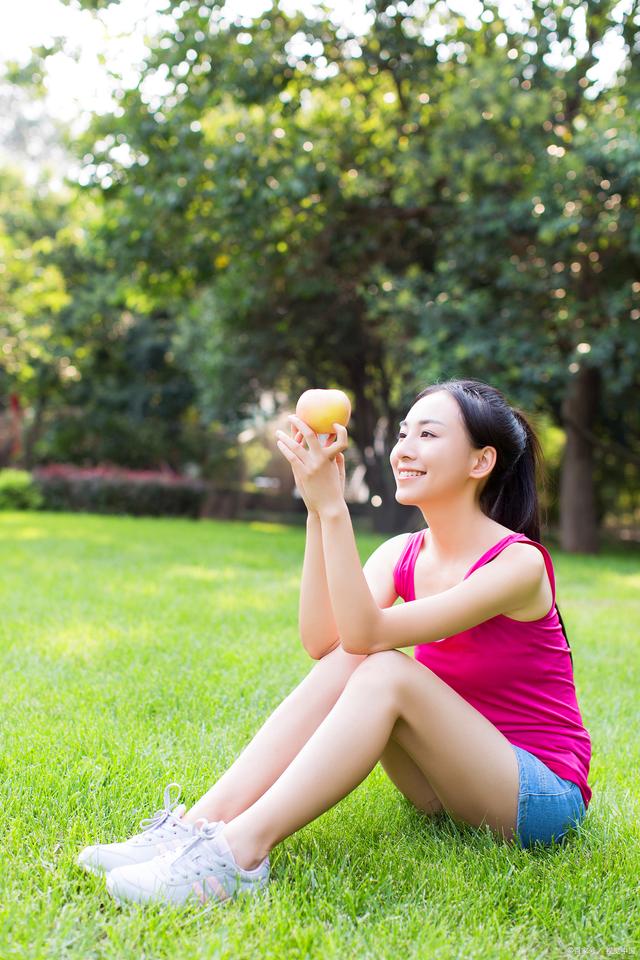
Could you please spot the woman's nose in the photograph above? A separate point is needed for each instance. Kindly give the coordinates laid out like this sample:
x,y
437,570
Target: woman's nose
x,y
404,451
405,444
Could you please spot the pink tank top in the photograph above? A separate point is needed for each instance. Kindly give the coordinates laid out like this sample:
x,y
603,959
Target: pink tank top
x,y
518,675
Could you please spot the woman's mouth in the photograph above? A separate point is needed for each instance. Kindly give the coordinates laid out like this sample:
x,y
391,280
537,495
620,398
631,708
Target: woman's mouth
x,y
410,474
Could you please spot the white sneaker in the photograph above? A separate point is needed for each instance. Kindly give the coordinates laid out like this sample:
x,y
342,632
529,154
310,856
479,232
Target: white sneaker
x,y
161,832
202,869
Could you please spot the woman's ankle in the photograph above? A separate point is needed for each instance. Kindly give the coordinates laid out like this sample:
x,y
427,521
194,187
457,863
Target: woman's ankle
x,y
210,811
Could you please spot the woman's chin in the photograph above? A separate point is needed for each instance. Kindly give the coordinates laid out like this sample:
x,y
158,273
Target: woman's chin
x,y
403,496
409,498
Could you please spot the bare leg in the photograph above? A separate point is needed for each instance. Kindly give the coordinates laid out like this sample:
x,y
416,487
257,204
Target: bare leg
x,y
279,740
471,764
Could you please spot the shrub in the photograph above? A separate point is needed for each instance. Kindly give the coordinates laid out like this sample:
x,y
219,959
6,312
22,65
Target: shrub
x,y
18,491
107,489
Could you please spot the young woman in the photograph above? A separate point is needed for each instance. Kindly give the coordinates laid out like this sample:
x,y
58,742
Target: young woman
x,y
482,722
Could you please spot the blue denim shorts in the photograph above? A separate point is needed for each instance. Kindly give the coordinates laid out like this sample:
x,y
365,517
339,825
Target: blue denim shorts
x,y
548,805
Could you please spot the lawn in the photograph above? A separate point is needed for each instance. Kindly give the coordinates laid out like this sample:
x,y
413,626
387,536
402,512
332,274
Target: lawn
x,y
135,652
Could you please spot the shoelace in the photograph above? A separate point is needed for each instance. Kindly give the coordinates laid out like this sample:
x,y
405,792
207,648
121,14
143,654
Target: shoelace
x,y
203,831
150,823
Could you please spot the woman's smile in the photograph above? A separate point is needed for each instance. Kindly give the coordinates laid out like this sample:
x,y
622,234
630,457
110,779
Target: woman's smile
x,y
406,474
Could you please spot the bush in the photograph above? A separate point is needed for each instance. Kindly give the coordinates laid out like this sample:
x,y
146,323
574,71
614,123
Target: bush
x,y
115,490
18,491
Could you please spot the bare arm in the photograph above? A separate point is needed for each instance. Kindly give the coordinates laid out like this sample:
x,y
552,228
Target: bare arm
x,y
317,624
511,580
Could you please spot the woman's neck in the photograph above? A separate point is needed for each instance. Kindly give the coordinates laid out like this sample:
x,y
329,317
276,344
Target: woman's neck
x,y
455,534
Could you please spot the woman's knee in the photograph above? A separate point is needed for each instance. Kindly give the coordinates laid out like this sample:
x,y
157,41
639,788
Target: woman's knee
x,y
383,673
338,664
338,655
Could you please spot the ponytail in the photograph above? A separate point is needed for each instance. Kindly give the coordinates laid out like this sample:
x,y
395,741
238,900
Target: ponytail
x,y
524,475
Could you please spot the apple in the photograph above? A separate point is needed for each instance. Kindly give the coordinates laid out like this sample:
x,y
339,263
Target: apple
x,y
320,409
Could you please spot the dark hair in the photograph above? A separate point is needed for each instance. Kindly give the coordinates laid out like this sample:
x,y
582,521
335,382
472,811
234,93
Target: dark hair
x,y
510,494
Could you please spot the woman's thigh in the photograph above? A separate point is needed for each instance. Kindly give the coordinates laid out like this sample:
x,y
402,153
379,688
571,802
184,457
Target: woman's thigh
x,y
333,671
409,778
466,760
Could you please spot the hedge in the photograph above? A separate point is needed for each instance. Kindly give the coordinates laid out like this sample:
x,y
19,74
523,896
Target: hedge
x,y
115,490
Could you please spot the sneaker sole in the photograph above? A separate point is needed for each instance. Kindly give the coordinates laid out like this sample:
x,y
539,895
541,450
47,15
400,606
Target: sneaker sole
x,y
97,869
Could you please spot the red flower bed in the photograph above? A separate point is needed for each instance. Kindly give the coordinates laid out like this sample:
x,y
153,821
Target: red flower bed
x,y
108,489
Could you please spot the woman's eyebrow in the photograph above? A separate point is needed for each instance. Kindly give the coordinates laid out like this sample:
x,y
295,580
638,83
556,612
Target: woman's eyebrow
x,y
404,423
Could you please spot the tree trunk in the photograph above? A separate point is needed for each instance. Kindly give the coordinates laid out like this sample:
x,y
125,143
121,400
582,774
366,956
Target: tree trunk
x,y
34,431
578,510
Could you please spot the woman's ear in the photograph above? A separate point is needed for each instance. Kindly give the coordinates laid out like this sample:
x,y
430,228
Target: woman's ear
x,y
484,462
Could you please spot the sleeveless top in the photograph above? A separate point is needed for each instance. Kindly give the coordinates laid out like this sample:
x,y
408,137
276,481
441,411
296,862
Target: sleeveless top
x,y
517,674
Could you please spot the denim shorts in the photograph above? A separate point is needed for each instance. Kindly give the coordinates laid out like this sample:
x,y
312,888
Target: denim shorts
x,y
548,805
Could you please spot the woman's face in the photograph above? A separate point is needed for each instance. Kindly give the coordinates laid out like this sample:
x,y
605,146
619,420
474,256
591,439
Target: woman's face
x,y
433,460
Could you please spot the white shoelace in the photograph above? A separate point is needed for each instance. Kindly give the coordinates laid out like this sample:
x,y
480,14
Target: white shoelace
x,y
188,855
160,816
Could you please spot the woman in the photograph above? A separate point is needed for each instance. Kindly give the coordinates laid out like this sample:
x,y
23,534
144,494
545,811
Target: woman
x,y
482,722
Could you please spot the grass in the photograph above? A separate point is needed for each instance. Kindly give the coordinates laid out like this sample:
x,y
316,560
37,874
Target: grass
x,y
135,652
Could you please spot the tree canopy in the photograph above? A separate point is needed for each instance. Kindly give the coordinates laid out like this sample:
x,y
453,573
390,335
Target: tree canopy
x,y
288,204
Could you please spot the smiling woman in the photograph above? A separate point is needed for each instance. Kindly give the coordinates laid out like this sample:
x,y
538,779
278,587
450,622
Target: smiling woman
x,y
482,722
500,628
462,429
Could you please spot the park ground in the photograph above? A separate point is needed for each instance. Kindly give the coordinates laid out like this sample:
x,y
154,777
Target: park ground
x,y
135,652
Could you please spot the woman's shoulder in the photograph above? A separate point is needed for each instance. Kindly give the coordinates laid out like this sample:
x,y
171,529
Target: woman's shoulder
x,y
521,544
388,553
379,568
499,533
394,546
532,559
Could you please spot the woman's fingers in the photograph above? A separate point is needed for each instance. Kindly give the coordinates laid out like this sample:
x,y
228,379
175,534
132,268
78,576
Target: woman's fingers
x,y
288,444
341,442
295,433
309,435
339,437
301,431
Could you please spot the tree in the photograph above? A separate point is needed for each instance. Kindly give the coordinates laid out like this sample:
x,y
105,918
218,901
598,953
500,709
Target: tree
x,y
36,356
373,212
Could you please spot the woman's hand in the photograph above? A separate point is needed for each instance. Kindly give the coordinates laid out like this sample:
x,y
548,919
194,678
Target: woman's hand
x,y
319,471
297,476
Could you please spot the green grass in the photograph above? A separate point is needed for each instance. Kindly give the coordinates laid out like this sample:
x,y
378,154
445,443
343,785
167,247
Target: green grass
x,y
135,652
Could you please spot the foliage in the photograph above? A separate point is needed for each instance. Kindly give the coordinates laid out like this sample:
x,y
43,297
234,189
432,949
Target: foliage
x,y
18,491
281,203
99,380
33,290
379,211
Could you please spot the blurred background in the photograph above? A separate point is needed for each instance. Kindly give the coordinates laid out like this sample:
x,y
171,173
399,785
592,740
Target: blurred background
x,y
206,209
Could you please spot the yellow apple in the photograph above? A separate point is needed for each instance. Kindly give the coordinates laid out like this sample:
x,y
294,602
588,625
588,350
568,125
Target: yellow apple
x,y
320,409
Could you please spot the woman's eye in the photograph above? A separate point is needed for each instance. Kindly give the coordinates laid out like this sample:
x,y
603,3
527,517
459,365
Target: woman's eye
x,y
423,434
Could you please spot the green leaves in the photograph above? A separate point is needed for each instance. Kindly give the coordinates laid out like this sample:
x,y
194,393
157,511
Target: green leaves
x,y
295,203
